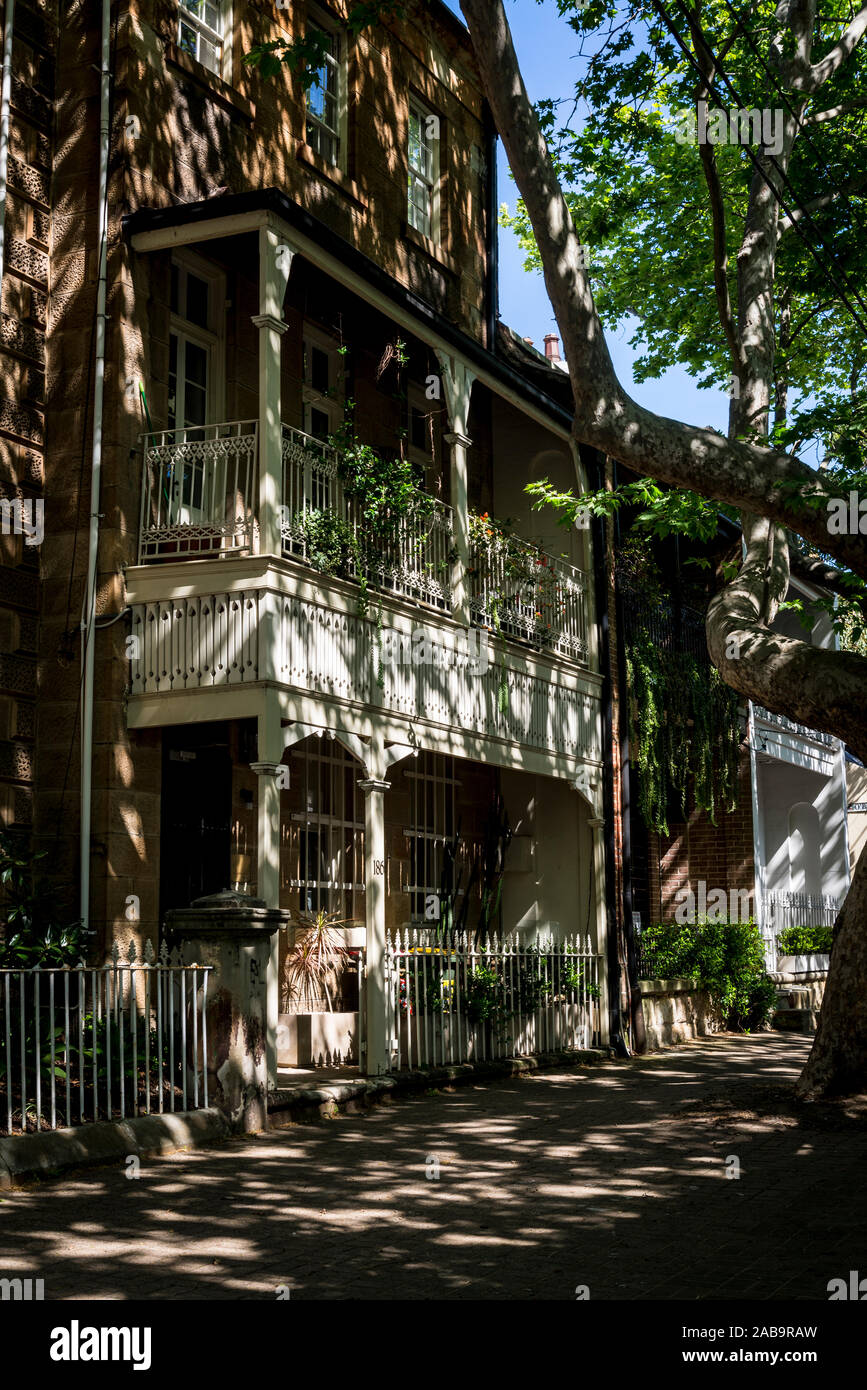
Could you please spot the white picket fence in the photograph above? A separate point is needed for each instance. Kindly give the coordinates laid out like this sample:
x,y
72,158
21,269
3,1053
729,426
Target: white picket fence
x,y
450,999
83,1043
777,911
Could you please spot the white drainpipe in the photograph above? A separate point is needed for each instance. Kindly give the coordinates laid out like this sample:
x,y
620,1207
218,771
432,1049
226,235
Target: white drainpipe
x,y
88,620
5,98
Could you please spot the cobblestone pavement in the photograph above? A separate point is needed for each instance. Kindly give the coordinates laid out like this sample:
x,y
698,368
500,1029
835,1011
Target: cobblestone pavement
x,y
613,1177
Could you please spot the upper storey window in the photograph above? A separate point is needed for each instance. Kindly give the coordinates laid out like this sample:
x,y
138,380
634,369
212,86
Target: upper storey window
x,y
201,24
424,171
325,99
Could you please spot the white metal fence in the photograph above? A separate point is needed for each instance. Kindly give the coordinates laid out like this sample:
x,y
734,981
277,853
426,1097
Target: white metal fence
x,y
412,557
83,1043
199,495
452,1000
525,593
781,910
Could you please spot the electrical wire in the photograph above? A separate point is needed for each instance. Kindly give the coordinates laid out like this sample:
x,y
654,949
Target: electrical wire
x,y
693,61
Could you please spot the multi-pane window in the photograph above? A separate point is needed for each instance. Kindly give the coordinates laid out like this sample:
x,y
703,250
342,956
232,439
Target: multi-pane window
x,y
323,839
431,834
423,170
200,31
193,347
323,386
323,101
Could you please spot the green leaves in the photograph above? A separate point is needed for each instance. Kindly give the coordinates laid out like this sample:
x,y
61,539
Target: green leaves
x,y
665,511
684,731
725,958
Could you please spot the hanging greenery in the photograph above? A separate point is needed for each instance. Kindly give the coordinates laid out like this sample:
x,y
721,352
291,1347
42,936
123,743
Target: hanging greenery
x,y
683,729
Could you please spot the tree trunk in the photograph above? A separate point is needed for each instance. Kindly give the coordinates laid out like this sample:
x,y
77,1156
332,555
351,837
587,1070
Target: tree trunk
x,y
820,688
837,1064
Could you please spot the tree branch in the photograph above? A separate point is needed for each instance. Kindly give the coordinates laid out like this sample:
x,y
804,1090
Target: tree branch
x,y
787,221
707,153
747,475
831,114
805,77
816,686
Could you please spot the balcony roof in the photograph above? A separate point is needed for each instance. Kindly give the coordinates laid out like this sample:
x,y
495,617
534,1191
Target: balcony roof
x,y
275,201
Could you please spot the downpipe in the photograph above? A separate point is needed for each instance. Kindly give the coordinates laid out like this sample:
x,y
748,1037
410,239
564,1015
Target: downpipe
x,y
88,620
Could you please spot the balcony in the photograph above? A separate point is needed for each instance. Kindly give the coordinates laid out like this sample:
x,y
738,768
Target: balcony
x,y
200,499
524,593
779,721
198,492
414,559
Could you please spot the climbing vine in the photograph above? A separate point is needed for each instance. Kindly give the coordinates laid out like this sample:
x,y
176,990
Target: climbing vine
x,y
683,729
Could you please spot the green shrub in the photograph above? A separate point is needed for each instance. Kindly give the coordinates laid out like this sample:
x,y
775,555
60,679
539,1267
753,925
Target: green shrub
x,y
725,958
803,941
29,933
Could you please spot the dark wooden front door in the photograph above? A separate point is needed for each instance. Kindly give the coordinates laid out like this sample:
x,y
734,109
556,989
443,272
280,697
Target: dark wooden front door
x,y
195,839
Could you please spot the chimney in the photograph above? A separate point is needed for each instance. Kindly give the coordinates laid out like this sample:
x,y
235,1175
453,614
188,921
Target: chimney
x,y
552,347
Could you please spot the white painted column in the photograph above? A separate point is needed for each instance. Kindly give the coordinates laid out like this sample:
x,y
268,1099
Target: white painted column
x,y
270,771
457,382
597,827
275,260
458,445
376,1012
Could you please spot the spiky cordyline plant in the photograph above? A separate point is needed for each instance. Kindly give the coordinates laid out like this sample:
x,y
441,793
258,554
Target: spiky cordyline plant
x,y
317,953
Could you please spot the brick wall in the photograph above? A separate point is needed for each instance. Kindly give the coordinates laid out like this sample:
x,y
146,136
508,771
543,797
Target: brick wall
x,y
721,854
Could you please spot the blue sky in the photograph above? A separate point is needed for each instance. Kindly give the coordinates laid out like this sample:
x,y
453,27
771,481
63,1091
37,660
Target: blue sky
x,y
546,47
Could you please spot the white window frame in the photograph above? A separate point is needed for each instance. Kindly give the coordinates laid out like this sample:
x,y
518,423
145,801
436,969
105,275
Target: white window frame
x,y
417,177
219,38
339,132
345,881
211,339
430,835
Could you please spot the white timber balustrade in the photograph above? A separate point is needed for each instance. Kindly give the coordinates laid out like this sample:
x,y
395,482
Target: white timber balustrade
x,y
83,1043
452,998
199,492
195,643
322,650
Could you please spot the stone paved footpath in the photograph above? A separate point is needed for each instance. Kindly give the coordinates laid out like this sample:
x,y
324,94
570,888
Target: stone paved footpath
x,y
613,1177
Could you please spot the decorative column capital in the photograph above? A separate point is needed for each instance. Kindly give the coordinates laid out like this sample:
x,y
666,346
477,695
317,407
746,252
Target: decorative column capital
x,y
374,784
454,437
596,822
270,321
266,769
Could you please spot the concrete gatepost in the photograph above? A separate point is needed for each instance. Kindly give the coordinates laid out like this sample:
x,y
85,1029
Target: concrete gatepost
x,y
232,933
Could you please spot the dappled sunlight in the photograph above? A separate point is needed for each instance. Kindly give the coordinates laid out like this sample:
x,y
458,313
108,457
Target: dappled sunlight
x,y
613,1175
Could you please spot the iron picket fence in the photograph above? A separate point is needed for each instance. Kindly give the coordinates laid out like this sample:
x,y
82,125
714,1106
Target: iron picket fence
x,y
451,999
82,1043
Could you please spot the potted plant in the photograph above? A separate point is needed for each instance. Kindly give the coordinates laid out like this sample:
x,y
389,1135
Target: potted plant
x,y
311,1031
804,949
